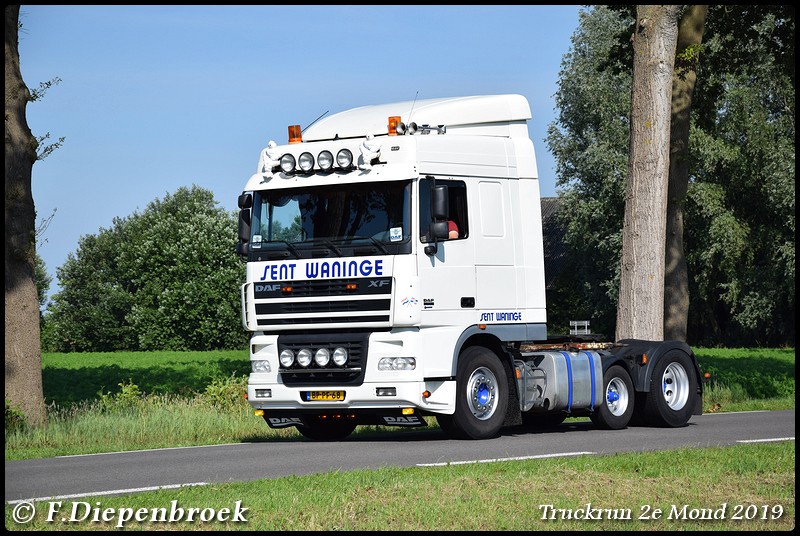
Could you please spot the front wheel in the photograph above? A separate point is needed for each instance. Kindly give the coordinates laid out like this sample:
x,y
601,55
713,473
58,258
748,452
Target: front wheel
x,y
616,409
481,396
673,391
329,429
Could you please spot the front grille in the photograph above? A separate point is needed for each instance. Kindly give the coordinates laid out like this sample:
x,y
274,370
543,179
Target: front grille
x,y
283,308
327,301
351,374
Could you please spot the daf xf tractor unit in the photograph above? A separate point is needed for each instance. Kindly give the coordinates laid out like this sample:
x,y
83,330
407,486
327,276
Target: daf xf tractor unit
x,y
395,271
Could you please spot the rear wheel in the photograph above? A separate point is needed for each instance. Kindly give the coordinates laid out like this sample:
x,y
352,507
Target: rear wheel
x,y
673,391
327,429
481,396
616,409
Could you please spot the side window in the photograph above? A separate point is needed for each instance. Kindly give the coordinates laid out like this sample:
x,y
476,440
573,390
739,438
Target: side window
x,y
458,224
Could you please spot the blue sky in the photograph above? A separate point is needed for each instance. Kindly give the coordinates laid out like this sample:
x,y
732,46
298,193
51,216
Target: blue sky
x,y
153,98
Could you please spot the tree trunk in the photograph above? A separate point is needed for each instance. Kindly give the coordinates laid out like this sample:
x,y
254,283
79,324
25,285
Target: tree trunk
x,y
676,277
640,312
23,353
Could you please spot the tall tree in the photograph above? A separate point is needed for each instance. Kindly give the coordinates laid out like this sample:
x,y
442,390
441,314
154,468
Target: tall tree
x,y
684,78
23,361
640,311
739,231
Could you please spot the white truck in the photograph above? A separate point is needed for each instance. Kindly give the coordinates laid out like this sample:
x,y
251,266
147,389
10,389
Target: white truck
x,y
395,270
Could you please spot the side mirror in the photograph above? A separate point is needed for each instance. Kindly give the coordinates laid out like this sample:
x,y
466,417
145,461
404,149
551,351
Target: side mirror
x,y
440,231
245,200
440,206
244,225
242,247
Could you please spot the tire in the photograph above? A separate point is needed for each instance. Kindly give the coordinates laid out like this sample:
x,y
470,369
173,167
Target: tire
x,y
481,396
673,391
540,421
616,408
325,430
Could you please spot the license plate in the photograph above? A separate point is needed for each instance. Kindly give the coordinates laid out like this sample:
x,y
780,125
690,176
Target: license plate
x,y
323,396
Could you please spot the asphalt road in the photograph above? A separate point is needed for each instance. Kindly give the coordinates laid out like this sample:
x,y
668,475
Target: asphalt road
x,y
126,472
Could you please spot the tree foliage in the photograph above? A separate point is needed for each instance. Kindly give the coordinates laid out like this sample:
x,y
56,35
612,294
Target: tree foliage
x,y
739,220
163,279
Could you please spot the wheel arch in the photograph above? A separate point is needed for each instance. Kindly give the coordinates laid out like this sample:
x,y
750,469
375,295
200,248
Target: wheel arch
x,y
493,340
643,356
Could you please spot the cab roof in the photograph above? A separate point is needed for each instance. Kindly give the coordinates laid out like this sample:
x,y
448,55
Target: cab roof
x,y
461,115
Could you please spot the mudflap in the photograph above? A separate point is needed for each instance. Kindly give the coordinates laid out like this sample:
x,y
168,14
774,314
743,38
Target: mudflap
x,y
388,417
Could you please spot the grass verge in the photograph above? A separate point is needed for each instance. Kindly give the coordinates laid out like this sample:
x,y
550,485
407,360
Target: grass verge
x,y
669,490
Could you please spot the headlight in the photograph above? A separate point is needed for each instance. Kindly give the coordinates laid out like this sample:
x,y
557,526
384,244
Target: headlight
x,y
287,163
340,356
260,366
344,158
304,357
325,160
397,363
287,358
306,162
322,357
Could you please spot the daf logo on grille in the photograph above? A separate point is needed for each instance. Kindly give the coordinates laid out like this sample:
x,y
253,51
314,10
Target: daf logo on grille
x,y
378,283
267,288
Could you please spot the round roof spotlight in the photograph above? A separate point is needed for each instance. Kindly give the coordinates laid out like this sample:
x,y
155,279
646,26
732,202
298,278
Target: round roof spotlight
x,y
340,356
344,158
322,357
325,160
306,162
287,163
287,358
401,128
412,127
304,357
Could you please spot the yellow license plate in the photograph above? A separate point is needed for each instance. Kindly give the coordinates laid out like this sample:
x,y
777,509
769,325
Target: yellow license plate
x,y
317,396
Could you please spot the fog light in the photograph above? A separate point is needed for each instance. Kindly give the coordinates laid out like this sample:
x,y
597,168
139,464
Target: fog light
x,y
340,356
287,358
304,357
263,393
322,357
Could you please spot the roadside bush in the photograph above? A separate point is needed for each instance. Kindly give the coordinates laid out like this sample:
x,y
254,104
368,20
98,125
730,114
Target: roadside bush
x,y
129,397
225,394
15,419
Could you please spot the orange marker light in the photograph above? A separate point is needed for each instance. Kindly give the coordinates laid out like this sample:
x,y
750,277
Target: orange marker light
x,y
294,134
352,286
394,120
426,394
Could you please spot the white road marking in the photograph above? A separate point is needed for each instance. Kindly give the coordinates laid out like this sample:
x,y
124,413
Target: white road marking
x,y
516,458
109,492
765,440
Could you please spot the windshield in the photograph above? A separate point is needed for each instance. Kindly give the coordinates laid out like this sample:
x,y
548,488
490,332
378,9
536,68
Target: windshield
x,y
332,221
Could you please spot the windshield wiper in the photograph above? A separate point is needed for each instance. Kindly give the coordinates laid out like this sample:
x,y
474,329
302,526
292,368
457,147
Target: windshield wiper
x,y
288,245
377,243
327,243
